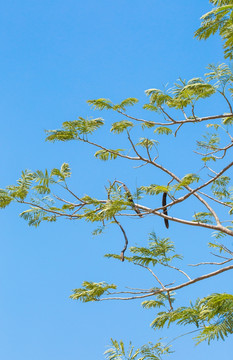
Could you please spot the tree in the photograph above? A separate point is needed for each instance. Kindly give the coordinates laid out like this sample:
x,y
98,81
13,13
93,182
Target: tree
x,y
207,189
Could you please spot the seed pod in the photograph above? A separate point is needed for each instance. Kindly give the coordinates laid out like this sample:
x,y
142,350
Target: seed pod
x,y
130,199
164,202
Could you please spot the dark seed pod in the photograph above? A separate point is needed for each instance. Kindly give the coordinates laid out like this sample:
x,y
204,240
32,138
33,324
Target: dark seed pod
x,y
130,199
164,202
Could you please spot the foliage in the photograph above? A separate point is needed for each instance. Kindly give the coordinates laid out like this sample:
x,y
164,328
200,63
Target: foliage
x,y
212,315
149,351
91,291
47,195
219,19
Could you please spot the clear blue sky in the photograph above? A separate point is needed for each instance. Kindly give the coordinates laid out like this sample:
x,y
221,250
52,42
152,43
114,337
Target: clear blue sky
x,y
54,56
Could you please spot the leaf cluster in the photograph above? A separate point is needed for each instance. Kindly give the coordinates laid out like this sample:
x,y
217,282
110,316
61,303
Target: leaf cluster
x,y
219,19
159,251
106,104
203,217
183,93
212,315
91,291
219,187
39,183
118,351
155,189
74,130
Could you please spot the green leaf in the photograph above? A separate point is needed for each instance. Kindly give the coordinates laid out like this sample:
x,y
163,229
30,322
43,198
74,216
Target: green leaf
x,y
118,351
83,126
158,251
217,246
91,291
203,217
35,216
101,104
208,158
219,19
148,304
41,189
43,179
154,189
197,90
111,208
65,170
219,187
107,154
211,142
127,102
147,143
212,315
147,124
98,231
72,130
5,199
163,130
215,126
21,190
186,181
120,126
89,200
227,120
221,74
151,107
60,135
68,207
157,97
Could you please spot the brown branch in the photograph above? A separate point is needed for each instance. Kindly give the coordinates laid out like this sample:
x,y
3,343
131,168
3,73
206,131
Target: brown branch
x,y
165,113
218,201
130,292
175,268
125,237
47,210
219,256
212,263
134,118
175,122
228,102
65,201
203,277
184,113
193,191
178,128
153,274
177,287
71,192
194,114
187,222
110,151
215,151
128,298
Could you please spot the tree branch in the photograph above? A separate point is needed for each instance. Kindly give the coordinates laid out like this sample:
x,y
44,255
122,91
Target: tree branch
x,y
177,287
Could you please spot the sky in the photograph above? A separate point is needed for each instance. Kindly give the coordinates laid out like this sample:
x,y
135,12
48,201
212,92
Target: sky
x,y
55,55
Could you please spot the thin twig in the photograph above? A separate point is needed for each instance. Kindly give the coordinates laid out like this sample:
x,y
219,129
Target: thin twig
x,y
188,120
125,237
175,268
177,287
228,102
212,263
216,200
